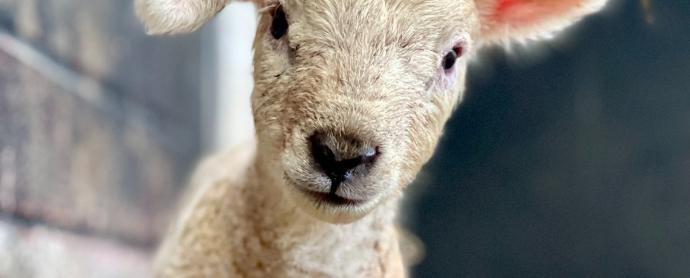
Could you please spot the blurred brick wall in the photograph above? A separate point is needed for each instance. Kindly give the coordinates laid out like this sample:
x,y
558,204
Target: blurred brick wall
x,y
99,124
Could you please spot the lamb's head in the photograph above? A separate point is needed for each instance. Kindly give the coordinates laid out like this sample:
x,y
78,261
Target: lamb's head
x,y
351,96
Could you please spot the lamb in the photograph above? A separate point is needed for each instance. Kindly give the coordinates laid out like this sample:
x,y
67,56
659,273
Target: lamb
x,y
350,99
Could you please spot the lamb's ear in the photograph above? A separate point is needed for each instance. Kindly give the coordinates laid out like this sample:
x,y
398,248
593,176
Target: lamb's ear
x,y
176,16
504,21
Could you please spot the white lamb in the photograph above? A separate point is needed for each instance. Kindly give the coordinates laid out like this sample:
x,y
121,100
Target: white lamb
x,y
350,99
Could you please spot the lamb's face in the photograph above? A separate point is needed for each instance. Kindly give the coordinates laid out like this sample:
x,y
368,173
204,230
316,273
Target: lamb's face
x,y
352,95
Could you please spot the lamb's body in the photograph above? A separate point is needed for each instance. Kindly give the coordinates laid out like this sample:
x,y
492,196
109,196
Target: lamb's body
x,y
237,223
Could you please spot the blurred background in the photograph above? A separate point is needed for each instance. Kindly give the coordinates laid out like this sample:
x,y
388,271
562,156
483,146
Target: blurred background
x,y
569,161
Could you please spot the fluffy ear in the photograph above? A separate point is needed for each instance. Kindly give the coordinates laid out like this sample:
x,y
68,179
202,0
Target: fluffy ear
x,y
504,21
176,16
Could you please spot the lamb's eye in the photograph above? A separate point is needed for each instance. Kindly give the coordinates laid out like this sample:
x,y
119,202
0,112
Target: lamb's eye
x,y
452,57
279,26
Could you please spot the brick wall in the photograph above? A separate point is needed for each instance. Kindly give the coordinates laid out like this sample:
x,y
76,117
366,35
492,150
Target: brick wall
x,y
99,125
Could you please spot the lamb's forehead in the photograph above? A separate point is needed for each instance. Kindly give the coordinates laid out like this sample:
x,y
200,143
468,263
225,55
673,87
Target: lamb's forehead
x,y
403,19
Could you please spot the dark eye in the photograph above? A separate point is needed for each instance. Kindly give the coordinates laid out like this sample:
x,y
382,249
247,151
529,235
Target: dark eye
x,y
279,26
452,57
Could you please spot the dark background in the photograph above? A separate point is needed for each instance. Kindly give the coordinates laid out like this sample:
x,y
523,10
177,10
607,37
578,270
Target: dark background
x,y
572,164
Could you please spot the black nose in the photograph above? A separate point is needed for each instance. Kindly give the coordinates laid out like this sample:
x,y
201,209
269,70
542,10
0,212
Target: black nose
x,y
342,157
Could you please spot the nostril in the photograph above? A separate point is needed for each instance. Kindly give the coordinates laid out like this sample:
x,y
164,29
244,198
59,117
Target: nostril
x,y
369,154
322,153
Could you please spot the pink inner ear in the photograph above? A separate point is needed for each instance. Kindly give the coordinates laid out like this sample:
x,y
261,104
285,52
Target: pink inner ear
x,y
518,12
504,5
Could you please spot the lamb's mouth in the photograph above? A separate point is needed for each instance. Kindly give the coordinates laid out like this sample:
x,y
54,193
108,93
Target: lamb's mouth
x,y
332,199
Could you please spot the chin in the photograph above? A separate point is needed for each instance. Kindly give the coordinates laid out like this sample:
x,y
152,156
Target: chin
x,y
330,207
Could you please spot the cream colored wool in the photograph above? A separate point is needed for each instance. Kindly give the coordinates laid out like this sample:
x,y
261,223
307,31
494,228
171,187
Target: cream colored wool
x,y
372,68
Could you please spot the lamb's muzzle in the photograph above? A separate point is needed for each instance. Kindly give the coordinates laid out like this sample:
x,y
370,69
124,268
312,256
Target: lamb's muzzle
x,y
343,159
